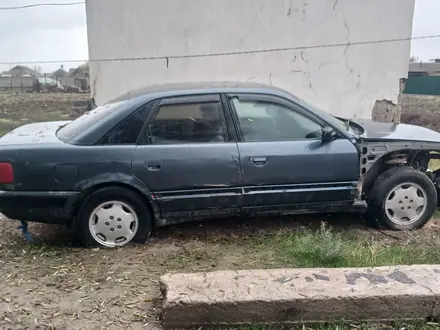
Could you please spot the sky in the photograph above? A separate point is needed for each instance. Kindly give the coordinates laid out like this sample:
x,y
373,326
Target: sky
x,y
60,33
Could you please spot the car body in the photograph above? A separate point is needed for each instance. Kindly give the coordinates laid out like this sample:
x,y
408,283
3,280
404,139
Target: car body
x,y
180,152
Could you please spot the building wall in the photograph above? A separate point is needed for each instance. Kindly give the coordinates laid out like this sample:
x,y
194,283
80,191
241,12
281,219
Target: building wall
x,y
343,80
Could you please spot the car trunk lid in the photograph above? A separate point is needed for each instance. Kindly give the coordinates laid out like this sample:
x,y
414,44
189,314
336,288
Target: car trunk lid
x,y
35,133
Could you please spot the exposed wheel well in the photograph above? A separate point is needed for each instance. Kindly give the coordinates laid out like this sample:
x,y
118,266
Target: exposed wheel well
x,y
418,160
86,193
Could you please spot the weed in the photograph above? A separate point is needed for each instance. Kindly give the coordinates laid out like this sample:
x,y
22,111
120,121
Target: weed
x,y
326,248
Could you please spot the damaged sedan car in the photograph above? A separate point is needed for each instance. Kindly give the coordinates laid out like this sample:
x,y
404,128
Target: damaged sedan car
x,y
173,153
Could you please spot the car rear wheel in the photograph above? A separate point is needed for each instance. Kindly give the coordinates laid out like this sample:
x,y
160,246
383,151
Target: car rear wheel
x,y
402,199
113,217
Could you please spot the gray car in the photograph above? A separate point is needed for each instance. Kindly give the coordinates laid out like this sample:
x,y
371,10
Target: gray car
x,y
173,153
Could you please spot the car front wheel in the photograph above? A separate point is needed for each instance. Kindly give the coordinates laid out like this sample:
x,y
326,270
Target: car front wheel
x,y
113,217
402,199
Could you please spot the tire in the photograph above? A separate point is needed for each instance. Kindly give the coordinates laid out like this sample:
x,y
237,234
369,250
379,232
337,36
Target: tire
x,y
397,194
115,210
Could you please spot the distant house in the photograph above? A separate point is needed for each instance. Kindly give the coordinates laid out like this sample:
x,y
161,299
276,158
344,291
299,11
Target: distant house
x,y
22,71
425,68
62,76
80,72
60,73
80,77
74,80
423,78
19,79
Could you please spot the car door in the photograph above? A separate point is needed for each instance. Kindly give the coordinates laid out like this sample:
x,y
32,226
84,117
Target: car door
x,y
189,159
285,164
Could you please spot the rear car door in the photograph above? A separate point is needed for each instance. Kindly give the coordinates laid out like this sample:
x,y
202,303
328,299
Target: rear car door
x,y
188,158
285,164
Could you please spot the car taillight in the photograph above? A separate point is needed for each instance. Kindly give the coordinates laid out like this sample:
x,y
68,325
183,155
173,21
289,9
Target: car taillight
x,y
6,173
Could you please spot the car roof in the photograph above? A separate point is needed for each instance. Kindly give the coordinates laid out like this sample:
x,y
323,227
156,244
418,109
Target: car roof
x,y
132,101
175,89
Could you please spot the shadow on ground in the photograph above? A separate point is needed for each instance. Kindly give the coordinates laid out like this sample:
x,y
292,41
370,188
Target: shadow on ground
x,y
60,236
219,228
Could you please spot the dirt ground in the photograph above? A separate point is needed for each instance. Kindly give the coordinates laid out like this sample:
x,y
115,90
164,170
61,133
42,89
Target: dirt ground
x,y
54,285
21,109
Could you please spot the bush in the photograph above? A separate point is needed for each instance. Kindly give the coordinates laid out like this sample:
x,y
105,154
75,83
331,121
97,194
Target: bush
x,y
326,248
425,118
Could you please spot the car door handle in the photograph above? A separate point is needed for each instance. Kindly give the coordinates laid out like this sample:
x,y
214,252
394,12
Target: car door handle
x,y
153,166
259,161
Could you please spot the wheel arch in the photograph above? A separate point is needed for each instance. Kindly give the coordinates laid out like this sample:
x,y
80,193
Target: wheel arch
x,y
384,162
133,184
377,157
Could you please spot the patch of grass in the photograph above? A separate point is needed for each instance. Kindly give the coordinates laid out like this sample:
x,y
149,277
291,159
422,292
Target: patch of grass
x,y
326,248
307,248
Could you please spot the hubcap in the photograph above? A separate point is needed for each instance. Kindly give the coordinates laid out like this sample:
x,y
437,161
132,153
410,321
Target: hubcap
x,y
406,204
113,223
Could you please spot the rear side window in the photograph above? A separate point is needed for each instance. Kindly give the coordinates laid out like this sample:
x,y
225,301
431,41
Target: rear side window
x,y
127,131
188,123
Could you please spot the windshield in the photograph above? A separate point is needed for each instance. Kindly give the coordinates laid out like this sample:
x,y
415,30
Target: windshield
x,y
87,120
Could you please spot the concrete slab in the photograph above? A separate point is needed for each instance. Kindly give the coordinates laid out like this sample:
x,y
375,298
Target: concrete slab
x,y
284,296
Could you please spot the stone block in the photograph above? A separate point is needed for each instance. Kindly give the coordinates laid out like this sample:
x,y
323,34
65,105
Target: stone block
x,y
287,296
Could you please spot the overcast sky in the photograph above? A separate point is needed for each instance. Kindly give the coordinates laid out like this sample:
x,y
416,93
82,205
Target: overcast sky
x,y
59,33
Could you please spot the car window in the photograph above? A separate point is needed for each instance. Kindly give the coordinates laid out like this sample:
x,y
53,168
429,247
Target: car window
x,y
266,121
127,131
188,123
334,121
71,130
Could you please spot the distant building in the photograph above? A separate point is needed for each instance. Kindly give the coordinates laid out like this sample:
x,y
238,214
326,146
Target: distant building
x,y
423,78
22,71
80,77
80,72
60,73
19,79
425,68
76,80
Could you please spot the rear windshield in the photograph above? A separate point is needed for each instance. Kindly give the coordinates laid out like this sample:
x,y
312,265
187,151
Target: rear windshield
x,y
87,120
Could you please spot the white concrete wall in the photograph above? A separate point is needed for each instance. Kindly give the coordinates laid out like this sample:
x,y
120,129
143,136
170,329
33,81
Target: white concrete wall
x,y
342,80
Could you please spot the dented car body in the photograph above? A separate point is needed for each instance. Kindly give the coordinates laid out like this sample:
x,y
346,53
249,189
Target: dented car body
x,y
174,153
